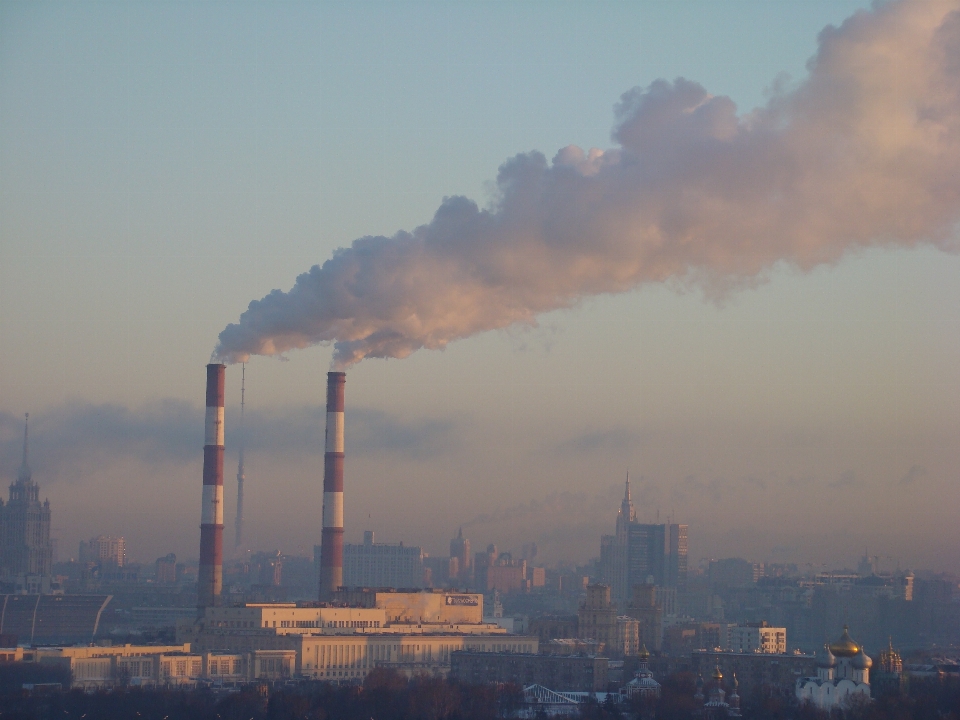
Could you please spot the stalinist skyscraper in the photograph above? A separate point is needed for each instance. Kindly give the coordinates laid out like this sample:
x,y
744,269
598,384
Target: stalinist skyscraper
x,y
26,554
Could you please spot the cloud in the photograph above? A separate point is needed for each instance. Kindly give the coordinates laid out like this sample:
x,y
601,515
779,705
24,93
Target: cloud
x,y
865,151
171,431
913,474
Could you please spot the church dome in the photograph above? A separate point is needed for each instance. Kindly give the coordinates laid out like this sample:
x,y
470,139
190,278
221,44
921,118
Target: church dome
x,y
845,647
862,661
826,659
717,675
890,660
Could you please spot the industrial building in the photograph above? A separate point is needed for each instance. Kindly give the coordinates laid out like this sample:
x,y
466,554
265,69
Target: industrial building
x,y
352,629
412,632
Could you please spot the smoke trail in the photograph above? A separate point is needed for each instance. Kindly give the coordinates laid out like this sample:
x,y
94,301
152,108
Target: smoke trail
x,y
865,151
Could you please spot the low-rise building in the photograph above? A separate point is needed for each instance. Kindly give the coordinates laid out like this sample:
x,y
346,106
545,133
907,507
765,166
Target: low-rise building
x,y
413,632
756,672
95,667
563,672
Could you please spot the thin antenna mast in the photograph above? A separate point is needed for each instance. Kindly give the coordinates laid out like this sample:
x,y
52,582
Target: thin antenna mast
x,y
240,475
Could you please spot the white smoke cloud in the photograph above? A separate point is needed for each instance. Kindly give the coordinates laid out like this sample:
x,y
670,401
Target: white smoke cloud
x,y
865,151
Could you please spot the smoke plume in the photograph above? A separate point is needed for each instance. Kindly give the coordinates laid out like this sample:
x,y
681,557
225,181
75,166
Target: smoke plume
x,y
865,151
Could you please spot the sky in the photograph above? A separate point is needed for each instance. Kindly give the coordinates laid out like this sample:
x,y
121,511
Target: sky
x,y
793,399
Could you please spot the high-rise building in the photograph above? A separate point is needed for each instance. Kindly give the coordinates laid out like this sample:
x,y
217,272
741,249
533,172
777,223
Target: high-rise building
x,y
104,550
642,553
374,564
25,547
597,616
165,569
460,549
677,557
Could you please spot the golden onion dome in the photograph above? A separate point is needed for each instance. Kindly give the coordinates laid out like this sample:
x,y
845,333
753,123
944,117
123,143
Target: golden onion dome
x,y
890,660
717,675
644,653
846,646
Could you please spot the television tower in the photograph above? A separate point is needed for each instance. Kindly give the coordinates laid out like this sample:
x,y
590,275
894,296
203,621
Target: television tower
x,y
240,476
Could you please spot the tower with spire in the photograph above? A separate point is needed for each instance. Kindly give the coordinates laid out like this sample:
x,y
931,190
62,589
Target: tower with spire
x,y
460,550
26,553
641,553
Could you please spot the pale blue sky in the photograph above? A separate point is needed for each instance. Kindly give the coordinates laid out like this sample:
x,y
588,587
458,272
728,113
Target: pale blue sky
x,y
162,164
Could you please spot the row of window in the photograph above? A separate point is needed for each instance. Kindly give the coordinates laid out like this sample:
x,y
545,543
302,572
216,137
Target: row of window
x,y
329,624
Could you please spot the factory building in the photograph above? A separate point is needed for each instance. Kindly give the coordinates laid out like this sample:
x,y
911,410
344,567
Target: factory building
x,y
413,632
353,629
374,564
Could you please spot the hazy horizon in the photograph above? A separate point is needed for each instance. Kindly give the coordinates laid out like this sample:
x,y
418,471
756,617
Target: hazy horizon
x,y
165,165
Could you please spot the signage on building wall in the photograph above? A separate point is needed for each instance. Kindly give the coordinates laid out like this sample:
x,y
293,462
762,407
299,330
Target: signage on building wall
x,y
462,600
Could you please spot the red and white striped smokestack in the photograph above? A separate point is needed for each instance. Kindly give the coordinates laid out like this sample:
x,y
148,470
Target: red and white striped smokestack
x,y
331,543
210,575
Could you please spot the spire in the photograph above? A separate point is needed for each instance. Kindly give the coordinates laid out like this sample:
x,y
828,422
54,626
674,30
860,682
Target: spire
x,y
627,512
460,533
24,475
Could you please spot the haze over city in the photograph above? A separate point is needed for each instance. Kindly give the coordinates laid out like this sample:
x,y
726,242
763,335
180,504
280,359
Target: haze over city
x,y
777,369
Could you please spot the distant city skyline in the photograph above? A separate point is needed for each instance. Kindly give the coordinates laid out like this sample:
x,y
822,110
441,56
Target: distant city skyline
x,y
167,164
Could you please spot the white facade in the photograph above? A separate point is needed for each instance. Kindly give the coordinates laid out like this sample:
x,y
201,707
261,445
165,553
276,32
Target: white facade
x,y
843,677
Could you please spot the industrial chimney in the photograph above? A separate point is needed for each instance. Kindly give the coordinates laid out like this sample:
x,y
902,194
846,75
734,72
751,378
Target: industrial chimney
x,y
210,576
331,543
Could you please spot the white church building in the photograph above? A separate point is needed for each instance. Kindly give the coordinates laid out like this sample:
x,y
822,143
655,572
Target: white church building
x,y
843,676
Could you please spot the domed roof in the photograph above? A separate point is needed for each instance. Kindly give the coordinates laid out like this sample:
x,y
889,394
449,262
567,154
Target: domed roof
x,y
862,661
717,675
825,658
644,653
643,681
845,647
890,660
